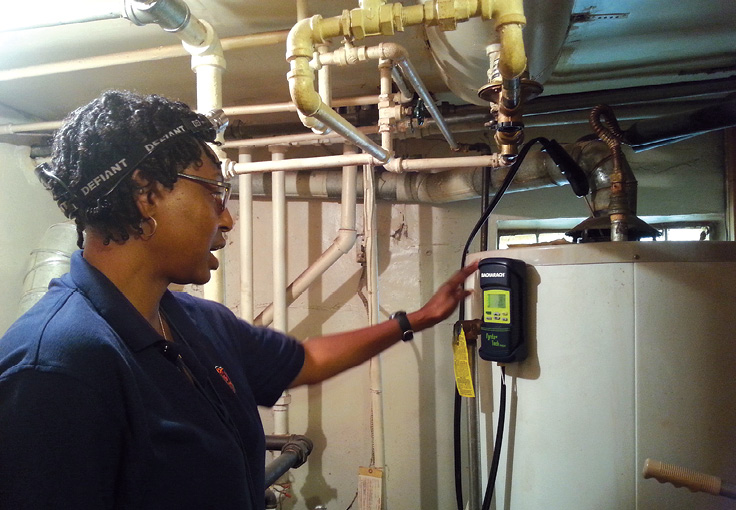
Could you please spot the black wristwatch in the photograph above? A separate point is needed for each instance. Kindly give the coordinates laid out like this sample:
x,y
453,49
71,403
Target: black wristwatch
x,y
406,329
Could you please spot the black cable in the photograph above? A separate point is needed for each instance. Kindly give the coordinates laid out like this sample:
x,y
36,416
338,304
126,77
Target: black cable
x,y
497,445
497,197
457,415
457,408
461,316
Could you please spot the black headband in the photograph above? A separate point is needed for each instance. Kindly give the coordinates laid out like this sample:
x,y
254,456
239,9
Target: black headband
x,y
207,126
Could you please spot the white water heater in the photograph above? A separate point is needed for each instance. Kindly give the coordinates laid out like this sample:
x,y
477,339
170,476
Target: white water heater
x,y
632,355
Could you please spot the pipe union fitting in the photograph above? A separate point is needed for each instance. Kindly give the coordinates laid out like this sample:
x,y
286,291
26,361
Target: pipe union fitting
x,y
171,15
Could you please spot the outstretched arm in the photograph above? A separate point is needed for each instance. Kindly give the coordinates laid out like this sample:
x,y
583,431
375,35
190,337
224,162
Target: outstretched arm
x,y
329,355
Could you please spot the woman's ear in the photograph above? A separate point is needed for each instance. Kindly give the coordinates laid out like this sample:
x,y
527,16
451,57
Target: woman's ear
x,y
146,193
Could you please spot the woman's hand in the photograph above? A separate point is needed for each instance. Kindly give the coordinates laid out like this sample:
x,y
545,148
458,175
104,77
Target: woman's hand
x,y
444,301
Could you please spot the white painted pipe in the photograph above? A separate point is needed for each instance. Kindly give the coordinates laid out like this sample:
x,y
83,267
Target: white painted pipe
x,y
386,120
293,140
400,165
35,126
324,88
278,198
278,202
245,204
396,165
303,163
208,63
371,256
288,106
134,57
341,245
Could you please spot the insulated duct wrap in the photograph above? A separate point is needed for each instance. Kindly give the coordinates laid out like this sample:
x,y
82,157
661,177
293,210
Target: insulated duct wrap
x,y
50,260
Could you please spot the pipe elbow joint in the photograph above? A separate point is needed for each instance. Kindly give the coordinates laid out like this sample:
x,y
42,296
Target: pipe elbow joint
x,y
510,20
393,165
512,58
318,127
301,88
389,51
300,41
345,240
209,52
301,447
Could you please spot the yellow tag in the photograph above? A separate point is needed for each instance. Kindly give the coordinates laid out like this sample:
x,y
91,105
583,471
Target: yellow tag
x,y
370,488
463,378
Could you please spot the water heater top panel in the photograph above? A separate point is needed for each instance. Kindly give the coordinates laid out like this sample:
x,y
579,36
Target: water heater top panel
x,y
623,252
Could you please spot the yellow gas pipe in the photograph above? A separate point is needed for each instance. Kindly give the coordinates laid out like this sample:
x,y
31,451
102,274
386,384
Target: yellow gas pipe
x,y
375,17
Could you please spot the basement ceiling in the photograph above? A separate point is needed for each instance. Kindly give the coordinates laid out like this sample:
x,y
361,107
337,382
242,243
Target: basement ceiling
x,y
606,46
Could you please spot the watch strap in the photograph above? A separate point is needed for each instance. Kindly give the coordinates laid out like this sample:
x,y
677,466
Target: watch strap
x,y
407,332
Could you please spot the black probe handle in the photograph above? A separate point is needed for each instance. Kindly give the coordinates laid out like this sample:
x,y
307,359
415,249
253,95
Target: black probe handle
x,y
569,168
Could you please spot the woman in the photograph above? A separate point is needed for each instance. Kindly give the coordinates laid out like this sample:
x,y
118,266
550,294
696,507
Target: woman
x,y
114,391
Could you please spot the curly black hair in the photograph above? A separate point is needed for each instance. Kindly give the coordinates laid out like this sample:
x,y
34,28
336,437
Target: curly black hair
x,y
114,126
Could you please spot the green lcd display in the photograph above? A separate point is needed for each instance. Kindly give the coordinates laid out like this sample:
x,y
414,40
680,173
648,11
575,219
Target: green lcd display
x,y
496,306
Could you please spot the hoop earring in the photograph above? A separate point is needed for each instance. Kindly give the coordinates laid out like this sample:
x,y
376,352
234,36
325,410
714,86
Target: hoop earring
x,y
147,237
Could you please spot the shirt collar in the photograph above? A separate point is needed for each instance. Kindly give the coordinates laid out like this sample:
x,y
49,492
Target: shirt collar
x,y
115,308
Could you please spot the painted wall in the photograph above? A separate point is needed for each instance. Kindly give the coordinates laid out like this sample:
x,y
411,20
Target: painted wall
x,y
27,211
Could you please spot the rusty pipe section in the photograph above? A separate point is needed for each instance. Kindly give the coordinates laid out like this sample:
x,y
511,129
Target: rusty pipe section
x,y
623,184
377,18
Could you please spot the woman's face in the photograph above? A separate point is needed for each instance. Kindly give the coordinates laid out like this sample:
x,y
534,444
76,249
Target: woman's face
x,y
191,225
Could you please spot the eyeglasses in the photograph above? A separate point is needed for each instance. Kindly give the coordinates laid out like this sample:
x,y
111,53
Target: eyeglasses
x,y
221,191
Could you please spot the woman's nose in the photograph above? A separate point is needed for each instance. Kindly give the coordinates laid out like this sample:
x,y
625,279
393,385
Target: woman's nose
x,y
226,221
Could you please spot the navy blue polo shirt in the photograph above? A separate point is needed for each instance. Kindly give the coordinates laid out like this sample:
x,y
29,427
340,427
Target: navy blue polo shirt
x,y
96,413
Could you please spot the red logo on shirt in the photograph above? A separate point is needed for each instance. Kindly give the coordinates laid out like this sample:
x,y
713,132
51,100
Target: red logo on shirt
x,y
225,377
